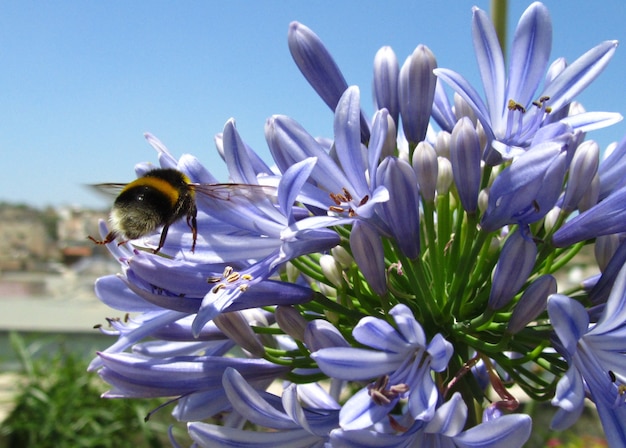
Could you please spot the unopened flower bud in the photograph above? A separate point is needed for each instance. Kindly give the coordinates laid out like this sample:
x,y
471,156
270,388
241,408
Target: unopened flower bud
x,y
342,256
319,68
444,176
320,333
604,249
236,327
462,109
465,158
401,211
368,252
386,74
442,144
332,270
582,169
416,93
532,303
483,200
390,146
425,166
551,218
591,195
291,321
515,264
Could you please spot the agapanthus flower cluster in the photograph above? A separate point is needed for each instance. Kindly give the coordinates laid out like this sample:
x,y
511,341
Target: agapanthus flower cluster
x,y
397,279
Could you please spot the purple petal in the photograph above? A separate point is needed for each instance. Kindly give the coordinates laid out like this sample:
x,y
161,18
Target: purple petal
x,y
608,216
465,152
217,436
367,250
291,183
569,396
386,74
471,96
417,91
569,319
408,327
248,402
316,63
355,363
401,211
320,334
529,53
515,264
348,141
113,292
511,431
450,417
578,75
289,143
490,63
380,335
236,156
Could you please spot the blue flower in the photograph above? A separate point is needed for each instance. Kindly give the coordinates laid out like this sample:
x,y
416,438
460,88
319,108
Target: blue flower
x,y
401,211
320,69
445,429
595,354
303,416
416,90
514,111
515,264
605,218
401,359
528,189
465,159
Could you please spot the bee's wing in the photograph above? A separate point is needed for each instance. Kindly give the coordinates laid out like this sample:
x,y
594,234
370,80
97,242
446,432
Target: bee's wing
x,y
227,192
109,189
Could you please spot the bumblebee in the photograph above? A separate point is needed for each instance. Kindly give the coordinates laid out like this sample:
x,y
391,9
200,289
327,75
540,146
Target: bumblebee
x,y
160,198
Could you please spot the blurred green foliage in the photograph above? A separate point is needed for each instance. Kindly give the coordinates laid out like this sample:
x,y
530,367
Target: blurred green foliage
x,y
58,404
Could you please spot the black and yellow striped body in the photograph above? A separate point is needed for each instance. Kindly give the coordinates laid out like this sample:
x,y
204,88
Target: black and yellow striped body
x,y
159,198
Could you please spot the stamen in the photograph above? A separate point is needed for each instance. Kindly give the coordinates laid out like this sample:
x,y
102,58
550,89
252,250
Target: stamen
x,y
516,106
381,394
217,287
332,208
335,198
233,277
227,271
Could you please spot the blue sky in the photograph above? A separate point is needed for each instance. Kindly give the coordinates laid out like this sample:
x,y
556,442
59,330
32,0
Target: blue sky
x,y
80,82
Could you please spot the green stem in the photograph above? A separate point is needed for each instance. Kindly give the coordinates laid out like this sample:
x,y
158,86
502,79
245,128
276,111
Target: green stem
x,y
498,17
433,252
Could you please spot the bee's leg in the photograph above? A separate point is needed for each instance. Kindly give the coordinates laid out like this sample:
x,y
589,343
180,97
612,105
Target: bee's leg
x,y
107,239
162,240
193,225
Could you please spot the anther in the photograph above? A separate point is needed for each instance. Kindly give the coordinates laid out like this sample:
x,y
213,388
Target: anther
x,y
516,106
233,277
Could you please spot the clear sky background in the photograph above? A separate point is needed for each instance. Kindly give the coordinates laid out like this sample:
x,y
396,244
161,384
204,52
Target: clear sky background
x,y
81,81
